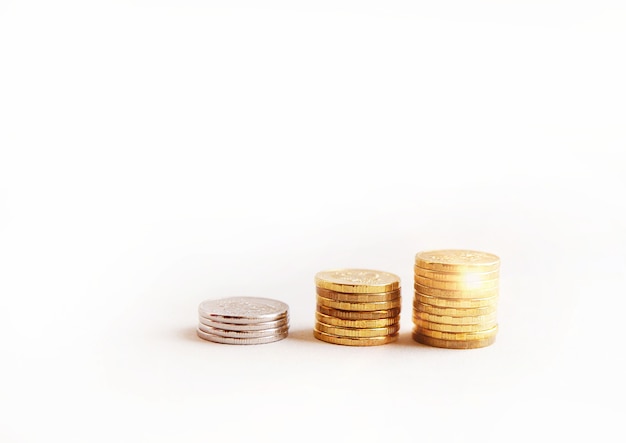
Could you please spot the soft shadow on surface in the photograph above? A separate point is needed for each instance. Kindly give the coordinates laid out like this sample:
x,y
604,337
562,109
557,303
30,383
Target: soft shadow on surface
x,y
188,334
406,339
301,334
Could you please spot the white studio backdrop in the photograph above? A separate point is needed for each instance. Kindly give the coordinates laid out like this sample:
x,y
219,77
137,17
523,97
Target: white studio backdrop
x,y
157,154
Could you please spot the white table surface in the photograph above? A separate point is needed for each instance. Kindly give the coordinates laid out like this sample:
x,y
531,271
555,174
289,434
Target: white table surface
x,y
157,154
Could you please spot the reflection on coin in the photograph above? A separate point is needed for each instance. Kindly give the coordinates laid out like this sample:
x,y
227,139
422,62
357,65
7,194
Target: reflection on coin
x,y
453,312
465,336
447,320
457,294
423,324
457,285
375,323
456,302
357,281
373,341
464,276
457,260
453,344
245,327
242,334
356,332
372,306
240,341
361,315
358,298
243,310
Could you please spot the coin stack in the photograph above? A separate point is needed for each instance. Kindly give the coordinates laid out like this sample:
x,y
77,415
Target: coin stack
x,y
357,307
243,320
456,298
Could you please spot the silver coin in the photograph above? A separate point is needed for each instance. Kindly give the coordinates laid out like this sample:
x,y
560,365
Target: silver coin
x,y
243,310
245,327
243,334
240,341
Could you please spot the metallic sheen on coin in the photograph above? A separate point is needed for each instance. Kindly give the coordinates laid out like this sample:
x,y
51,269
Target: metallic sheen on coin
x,y
239,341
243,310
457,260
371,341
364,281
263,326
243,334
358,315
453,344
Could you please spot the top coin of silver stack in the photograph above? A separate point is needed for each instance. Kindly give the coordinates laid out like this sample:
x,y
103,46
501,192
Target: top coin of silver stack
x,y
243,320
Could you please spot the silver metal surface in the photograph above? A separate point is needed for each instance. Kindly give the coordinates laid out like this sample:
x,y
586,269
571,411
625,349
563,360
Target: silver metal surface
x,y
261,326
243,310
240,341
243,334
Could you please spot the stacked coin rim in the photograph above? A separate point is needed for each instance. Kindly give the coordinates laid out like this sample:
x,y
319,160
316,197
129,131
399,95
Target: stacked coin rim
x,y
218,326
455,301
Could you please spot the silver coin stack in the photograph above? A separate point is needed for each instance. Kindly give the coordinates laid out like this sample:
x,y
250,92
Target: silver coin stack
x,y
243,320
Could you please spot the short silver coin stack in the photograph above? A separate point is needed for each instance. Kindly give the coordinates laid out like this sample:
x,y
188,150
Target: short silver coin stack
x,y
243,320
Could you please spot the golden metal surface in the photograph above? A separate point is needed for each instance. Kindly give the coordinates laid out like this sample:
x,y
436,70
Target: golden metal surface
x,y
423,324
465,336
362,281
454,312
457,285
356,332
372,341
376,323
456,302
453,344
373,306
358,298
457,260
461,294
463,276
358,315
447,320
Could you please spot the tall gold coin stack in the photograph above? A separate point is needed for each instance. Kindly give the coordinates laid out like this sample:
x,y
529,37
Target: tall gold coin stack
x,y
456,298
357,307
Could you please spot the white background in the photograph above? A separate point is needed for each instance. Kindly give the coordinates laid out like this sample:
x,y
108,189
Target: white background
x,y
154,154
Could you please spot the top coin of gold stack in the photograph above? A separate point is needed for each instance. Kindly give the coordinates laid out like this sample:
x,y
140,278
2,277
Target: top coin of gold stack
x,y
357,307
456,298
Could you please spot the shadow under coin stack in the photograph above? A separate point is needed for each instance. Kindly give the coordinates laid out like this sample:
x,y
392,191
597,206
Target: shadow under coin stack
x,y
456,298
243,320
357,307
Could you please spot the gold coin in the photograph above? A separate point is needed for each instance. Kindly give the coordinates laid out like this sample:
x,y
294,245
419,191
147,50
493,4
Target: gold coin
x,y
457,285
373,306
447,320
358,315
456,302
357,332
453,344
349,341
462,294
375,323
358,298
454,312
457,260
464,276
446,293
361,281
419,324
465,336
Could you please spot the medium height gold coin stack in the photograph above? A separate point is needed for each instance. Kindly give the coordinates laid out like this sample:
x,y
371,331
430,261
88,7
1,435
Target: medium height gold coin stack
x,y
357,307
456,298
